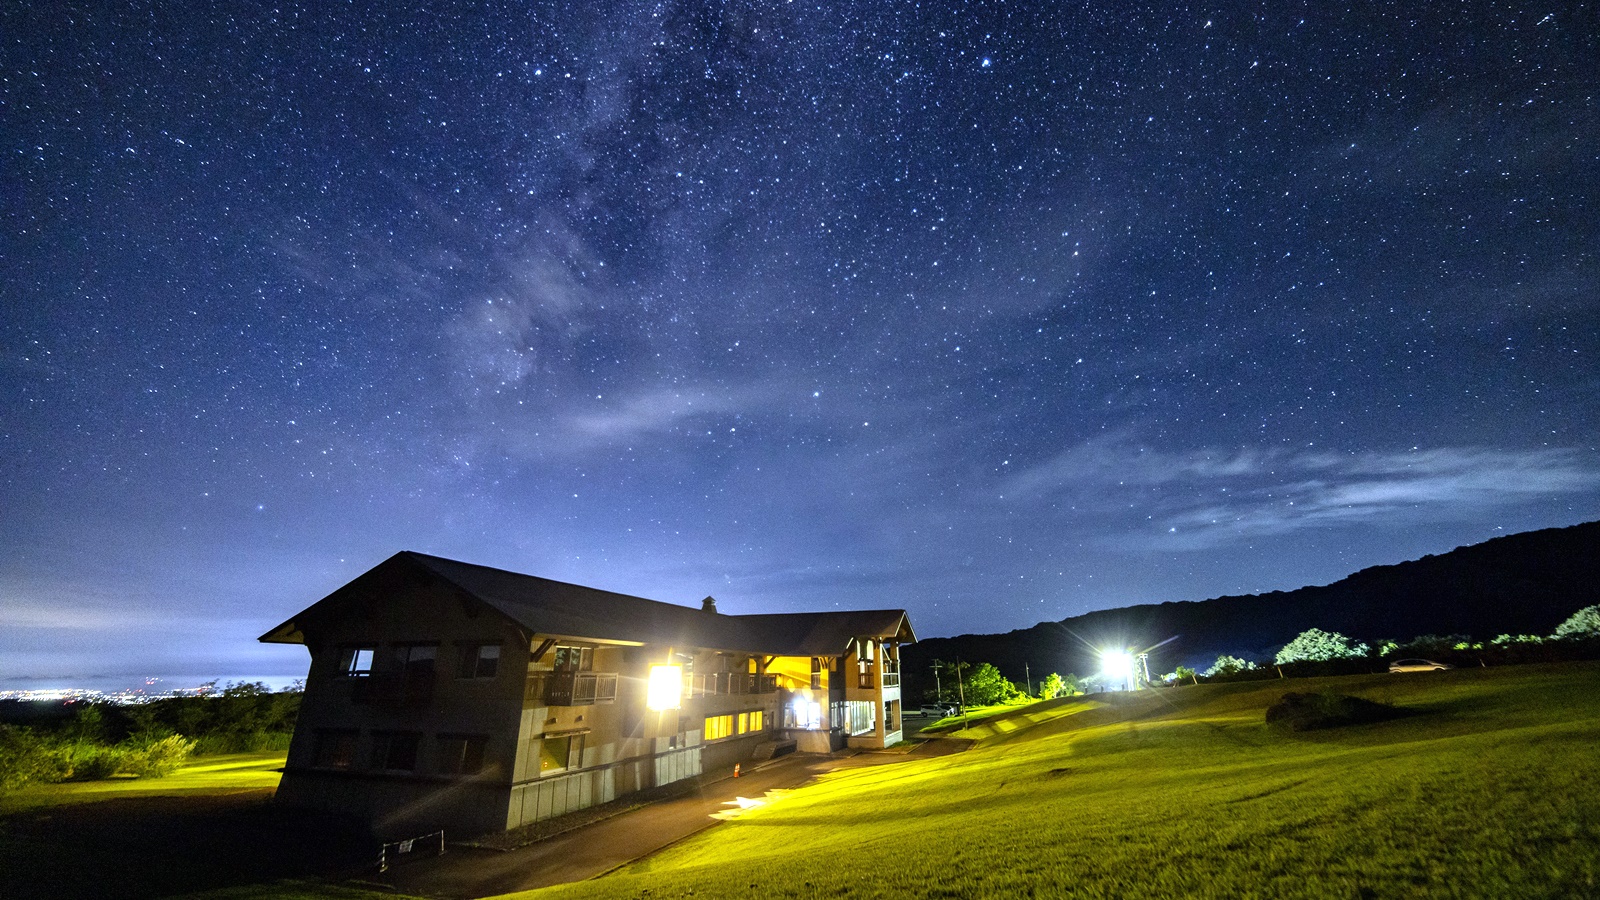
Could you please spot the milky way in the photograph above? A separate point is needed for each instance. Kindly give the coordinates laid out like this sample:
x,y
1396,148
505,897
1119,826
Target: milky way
x,y
996,312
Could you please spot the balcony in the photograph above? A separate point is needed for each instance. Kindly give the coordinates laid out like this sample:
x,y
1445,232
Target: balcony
x,y
723,683
412,687
579,688
867,679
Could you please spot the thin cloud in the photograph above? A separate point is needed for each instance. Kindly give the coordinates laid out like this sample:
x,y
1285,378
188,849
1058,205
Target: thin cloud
x,y
1265,492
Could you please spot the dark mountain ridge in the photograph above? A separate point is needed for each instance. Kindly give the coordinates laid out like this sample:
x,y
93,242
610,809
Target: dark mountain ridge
x,y
1524,583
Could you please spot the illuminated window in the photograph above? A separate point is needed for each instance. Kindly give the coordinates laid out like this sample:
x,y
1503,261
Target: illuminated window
x,y
480,661
335,749
461,754
356,662
863,716
751,721
559,753
718,727
395,751
816,673
803,713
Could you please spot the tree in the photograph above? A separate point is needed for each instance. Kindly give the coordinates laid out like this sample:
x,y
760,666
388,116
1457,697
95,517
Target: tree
x,y
1181,674
1228,665
1316,645
1052,686
1585,623
985,686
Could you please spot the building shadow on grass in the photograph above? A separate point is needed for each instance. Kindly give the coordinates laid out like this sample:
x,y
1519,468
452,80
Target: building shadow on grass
x,y
151,847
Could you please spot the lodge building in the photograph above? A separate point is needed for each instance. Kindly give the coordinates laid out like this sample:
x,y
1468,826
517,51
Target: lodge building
x,y
443,694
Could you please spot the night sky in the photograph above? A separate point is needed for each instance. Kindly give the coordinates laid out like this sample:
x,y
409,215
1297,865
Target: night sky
x,y
996,312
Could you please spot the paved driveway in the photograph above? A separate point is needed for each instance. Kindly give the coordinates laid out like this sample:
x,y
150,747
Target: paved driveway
x,y
599,847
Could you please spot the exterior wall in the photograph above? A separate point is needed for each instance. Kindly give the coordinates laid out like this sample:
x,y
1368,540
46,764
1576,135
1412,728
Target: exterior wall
x,y
627,747
527,738
872,675
433,704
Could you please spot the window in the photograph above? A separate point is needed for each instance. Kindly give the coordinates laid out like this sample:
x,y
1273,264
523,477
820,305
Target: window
x,y
816,673
754,720
718,727
574,659
395,751
461,754
356,662
480,661
335,748
863,716
864,660
557,753
415,658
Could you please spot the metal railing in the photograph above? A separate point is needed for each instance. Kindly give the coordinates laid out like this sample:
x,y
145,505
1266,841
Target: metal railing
x,y
718,683
579,688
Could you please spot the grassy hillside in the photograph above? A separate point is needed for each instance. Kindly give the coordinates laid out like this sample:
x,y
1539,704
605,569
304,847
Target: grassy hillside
x,y
1491,788
1518,584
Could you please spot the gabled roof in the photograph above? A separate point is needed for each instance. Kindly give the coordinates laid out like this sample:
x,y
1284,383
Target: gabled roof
x,y
557,608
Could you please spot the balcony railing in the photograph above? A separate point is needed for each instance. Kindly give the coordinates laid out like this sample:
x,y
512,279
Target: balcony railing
x,y
406,688
717,683
579,688
868,678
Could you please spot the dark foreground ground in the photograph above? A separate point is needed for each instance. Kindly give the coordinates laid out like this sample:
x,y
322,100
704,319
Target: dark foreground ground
x,y
149,847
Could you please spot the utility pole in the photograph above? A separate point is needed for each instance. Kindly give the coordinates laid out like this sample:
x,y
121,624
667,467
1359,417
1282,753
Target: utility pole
x,y
961,691
938,691
1028,675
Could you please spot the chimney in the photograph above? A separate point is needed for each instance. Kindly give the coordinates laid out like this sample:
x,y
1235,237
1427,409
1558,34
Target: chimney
x,y
709,605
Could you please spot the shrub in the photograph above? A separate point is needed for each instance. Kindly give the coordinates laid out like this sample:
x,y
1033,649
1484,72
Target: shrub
x,y
25,759
86,761
156,758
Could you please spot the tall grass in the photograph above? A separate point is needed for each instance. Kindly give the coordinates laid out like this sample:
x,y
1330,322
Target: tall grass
x,y
1491,788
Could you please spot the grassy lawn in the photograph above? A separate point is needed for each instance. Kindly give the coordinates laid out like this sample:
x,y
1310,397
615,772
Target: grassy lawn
x,y
1490,789
977,714
210,826
203,775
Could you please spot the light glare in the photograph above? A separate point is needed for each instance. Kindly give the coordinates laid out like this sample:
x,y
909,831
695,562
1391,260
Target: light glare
x,y
666,688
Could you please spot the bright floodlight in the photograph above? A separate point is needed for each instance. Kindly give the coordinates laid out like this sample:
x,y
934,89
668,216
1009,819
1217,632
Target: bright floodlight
x,y
1117,664
666,688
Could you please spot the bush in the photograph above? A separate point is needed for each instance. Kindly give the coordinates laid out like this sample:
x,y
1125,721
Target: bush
x,y
241,742
87,761
25,759
156,758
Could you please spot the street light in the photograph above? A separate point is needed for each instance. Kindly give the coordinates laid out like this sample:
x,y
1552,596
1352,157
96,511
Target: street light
x,y
1117,665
